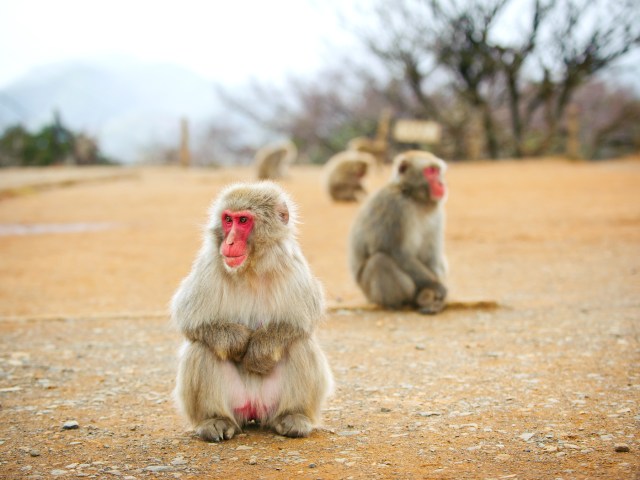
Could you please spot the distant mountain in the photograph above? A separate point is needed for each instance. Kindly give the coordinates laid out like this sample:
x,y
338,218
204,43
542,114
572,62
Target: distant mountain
x,y
128,106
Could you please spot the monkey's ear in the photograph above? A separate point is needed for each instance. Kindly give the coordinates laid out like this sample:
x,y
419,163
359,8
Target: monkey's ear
x,y
283,212
402,167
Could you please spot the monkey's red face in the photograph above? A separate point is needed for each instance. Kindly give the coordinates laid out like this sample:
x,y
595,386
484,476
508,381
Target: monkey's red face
x,y
236,227
436,186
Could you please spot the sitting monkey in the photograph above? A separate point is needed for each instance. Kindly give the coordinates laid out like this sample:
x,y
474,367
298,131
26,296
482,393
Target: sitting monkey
x,y
249,310
344,173
397,239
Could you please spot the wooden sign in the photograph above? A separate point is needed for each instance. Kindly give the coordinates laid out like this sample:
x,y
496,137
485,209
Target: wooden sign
x,y
417,131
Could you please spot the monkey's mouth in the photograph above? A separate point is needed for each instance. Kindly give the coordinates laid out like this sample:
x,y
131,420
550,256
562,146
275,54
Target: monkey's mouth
x,y
236,261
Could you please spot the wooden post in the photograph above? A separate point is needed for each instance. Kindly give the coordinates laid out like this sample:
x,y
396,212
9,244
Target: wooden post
x,y
474,140
185,154
573,133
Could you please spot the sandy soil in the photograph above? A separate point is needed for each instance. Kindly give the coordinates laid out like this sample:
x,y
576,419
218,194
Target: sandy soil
x,y
543,384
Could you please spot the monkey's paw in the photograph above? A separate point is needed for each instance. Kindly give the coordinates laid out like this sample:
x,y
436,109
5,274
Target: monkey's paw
x,y
238,343
430,301
259,365
293,425
216,429
261,356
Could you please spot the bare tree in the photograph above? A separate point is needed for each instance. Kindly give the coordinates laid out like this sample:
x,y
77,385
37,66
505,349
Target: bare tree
x,y
501,70
560,47
586,37
321,115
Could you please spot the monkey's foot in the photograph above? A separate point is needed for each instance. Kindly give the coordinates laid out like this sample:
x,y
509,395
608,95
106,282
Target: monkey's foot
x,y
431,309
430,301
293,425
216,429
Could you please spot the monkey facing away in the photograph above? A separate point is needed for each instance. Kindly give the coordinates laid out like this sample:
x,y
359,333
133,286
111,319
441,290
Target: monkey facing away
x,y
397,239
344,173
249,309
272,161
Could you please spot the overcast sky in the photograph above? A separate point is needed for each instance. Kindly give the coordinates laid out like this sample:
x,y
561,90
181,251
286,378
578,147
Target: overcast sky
x,y
227,41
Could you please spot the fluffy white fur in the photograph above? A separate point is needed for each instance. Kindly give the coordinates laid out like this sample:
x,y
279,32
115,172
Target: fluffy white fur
x,y
275,286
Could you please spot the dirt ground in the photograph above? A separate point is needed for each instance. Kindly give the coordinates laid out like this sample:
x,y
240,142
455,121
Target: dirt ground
x,y
540,379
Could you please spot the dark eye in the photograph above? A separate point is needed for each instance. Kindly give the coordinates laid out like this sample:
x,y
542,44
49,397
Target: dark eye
x,y
227,218
243,219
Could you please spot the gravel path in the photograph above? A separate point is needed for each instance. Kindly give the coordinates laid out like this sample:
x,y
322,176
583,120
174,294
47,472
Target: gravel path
x,y
533,373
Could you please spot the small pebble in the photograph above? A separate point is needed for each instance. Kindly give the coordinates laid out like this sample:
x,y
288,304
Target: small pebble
x,y
621,447
385,410
312,465
70,425
158,468
253,461
34,453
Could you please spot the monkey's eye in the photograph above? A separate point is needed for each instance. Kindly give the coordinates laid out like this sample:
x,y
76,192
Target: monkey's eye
x,y
227,218
243,219
433,170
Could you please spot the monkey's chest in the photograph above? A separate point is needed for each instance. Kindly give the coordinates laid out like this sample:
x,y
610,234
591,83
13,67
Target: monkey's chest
x,y
250,308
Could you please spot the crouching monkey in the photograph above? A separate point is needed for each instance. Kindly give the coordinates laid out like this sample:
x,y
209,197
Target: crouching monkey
x,y
249,309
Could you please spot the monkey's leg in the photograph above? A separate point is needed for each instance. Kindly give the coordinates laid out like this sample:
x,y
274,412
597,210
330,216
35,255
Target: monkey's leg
x,y
204,390
342,193
384,283
306,381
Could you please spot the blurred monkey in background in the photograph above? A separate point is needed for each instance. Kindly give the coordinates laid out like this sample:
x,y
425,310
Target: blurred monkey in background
x,y
344,173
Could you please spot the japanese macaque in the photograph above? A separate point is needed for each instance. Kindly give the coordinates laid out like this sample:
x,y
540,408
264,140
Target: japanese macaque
x,y
272,161
249,309
397,239
344,173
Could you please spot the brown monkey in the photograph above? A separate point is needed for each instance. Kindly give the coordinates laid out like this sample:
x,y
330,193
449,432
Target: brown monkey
x,y
397,239
272,161
344,174
249,309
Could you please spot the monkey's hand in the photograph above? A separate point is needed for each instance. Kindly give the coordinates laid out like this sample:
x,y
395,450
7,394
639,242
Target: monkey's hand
x,y
267,346
227,341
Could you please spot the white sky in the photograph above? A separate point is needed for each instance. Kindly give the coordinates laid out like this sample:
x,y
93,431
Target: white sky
x,y
224,40
227,41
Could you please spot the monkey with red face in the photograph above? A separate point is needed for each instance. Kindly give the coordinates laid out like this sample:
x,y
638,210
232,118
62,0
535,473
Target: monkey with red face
x,y
249,309
397,239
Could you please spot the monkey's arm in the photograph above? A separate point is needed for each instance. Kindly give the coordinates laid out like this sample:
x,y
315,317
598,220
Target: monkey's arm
x,y
268,344
227,341
411,264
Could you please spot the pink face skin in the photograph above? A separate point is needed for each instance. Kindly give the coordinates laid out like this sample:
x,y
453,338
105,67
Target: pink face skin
x,y
432,175
236,227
